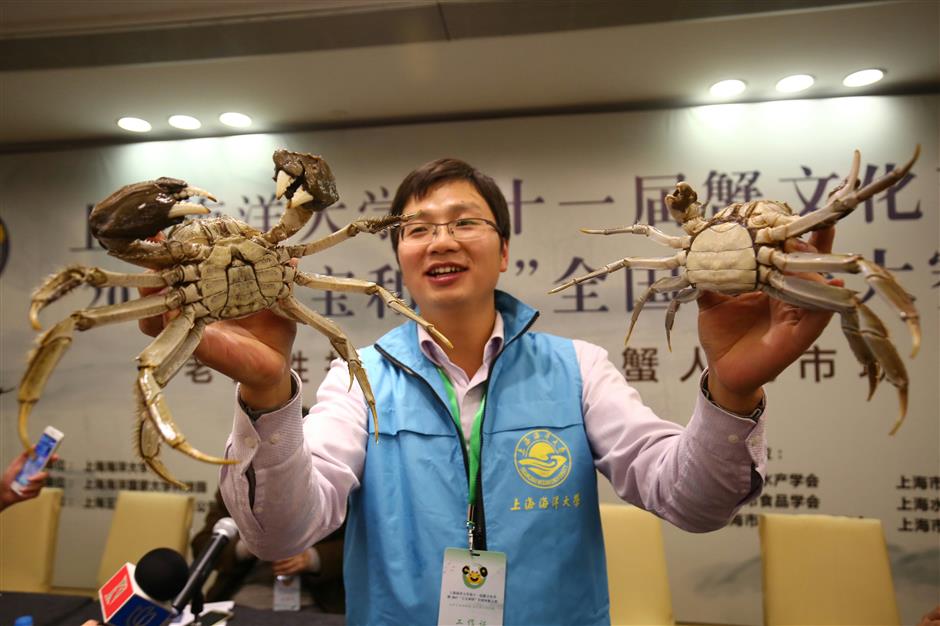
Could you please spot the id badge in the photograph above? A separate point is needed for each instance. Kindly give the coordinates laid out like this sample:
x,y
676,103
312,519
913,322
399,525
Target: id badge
x,y
473,588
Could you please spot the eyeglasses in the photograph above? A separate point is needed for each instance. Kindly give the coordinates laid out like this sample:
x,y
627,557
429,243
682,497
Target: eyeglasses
x,y
462,229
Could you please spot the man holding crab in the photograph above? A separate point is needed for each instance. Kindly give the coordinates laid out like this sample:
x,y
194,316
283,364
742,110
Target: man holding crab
x,y
505,416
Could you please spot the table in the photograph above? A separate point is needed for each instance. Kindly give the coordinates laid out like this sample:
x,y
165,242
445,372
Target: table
x,y
57,610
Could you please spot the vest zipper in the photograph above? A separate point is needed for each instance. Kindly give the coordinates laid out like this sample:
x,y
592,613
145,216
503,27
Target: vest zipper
x,y
479,516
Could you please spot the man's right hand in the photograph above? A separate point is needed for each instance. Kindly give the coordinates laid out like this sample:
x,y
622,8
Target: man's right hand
x,y
254,351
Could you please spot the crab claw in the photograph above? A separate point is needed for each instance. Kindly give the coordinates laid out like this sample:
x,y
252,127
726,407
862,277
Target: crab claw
x,y
307,183
304,179
141,210
683,203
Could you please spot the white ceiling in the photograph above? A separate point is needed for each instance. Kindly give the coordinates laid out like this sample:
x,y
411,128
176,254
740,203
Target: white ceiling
x,y
70,69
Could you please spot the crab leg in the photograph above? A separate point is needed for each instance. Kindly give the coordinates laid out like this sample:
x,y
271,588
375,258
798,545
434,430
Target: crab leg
x,y
157,364
664,263
293,309
52,344
876,336
330,283
643,229
841,203
667,283
879,278
794,291
686,295
294,217
158,254
865,333
371,226
64,281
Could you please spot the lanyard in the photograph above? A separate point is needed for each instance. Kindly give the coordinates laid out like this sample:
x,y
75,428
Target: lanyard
x,y
473,450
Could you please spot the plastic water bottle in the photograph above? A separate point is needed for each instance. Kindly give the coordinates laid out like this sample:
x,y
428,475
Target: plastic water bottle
x,y
287,593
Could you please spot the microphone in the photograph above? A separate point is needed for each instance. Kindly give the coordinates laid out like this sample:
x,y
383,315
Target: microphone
x,y
224,531
137,595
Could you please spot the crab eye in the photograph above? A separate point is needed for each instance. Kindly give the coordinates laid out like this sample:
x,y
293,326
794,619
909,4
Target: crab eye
x,y
483,572
466,570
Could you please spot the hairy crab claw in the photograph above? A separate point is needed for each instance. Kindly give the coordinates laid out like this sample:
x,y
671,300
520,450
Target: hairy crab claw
x,y
126,223
182,209
141,210
303,179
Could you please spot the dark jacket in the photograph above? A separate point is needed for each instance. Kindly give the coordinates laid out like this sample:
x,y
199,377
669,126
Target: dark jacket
x,y
326,587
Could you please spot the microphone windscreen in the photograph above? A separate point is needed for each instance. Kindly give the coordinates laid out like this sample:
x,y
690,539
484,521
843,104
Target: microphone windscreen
x,y
162,573
226,527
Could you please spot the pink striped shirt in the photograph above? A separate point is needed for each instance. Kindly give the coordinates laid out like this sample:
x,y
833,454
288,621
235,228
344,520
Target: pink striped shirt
x,y
304,469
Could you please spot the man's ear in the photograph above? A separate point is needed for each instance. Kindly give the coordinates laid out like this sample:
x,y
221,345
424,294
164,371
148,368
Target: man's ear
x,y
504,255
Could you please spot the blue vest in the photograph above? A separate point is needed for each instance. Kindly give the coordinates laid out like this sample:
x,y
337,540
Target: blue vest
x,y
537,477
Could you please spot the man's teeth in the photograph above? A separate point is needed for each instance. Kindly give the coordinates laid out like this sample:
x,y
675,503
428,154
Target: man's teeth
x,y
450,269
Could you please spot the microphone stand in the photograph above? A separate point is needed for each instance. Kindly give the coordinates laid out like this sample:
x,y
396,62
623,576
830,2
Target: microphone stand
x,y
223,532
196,605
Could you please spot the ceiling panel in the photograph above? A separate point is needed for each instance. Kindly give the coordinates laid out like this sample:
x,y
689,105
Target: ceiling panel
x,y
427,73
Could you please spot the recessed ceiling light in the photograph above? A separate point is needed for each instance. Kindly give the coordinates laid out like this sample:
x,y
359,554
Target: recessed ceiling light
x,y
796,82
727,88
134,124
863,77
238,120
184,122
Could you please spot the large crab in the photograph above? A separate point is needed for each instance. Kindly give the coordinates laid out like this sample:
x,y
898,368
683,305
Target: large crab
x,y
210,269
742,249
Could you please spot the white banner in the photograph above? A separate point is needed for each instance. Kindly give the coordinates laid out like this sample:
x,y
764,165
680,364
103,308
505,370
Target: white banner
x,y
829,448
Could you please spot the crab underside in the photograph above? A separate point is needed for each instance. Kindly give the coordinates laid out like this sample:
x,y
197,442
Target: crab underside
x,y
743,248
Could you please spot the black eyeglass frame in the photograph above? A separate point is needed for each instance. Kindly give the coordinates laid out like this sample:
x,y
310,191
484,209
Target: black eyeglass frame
x,y
400,228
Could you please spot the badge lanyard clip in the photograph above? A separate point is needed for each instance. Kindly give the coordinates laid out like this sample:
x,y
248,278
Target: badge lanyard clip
x,y
470,527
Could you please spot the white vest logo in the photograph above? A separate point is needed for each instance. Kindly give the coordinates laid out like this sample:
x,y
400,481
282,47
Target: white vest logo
x,y
542,459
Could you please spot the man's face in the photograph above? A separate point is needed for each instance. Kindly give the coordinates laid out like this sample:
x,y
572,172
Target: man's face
x,y
428,269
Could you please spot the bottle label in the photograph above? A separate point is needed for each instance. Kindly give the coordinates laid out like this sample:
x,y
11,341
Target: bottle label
x,y
287,593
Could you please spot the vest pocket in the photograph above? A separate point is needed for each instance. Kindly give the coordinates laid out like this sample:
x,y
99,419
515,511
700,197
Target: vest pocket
x,y
531,414
418,418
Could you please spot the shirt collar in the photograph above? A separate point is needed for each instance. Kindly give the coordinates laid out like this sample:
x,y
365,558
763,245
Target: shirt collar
x,y
436,354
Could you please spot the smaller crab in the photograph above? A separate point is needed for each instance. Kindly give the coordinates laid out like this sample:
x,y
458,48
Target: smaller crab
x,y
210,269
742,249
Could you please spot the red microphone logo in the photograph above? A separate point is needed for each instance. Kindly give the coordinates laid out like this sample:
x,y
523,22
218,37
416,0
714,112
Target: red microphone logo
x,y
116,591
